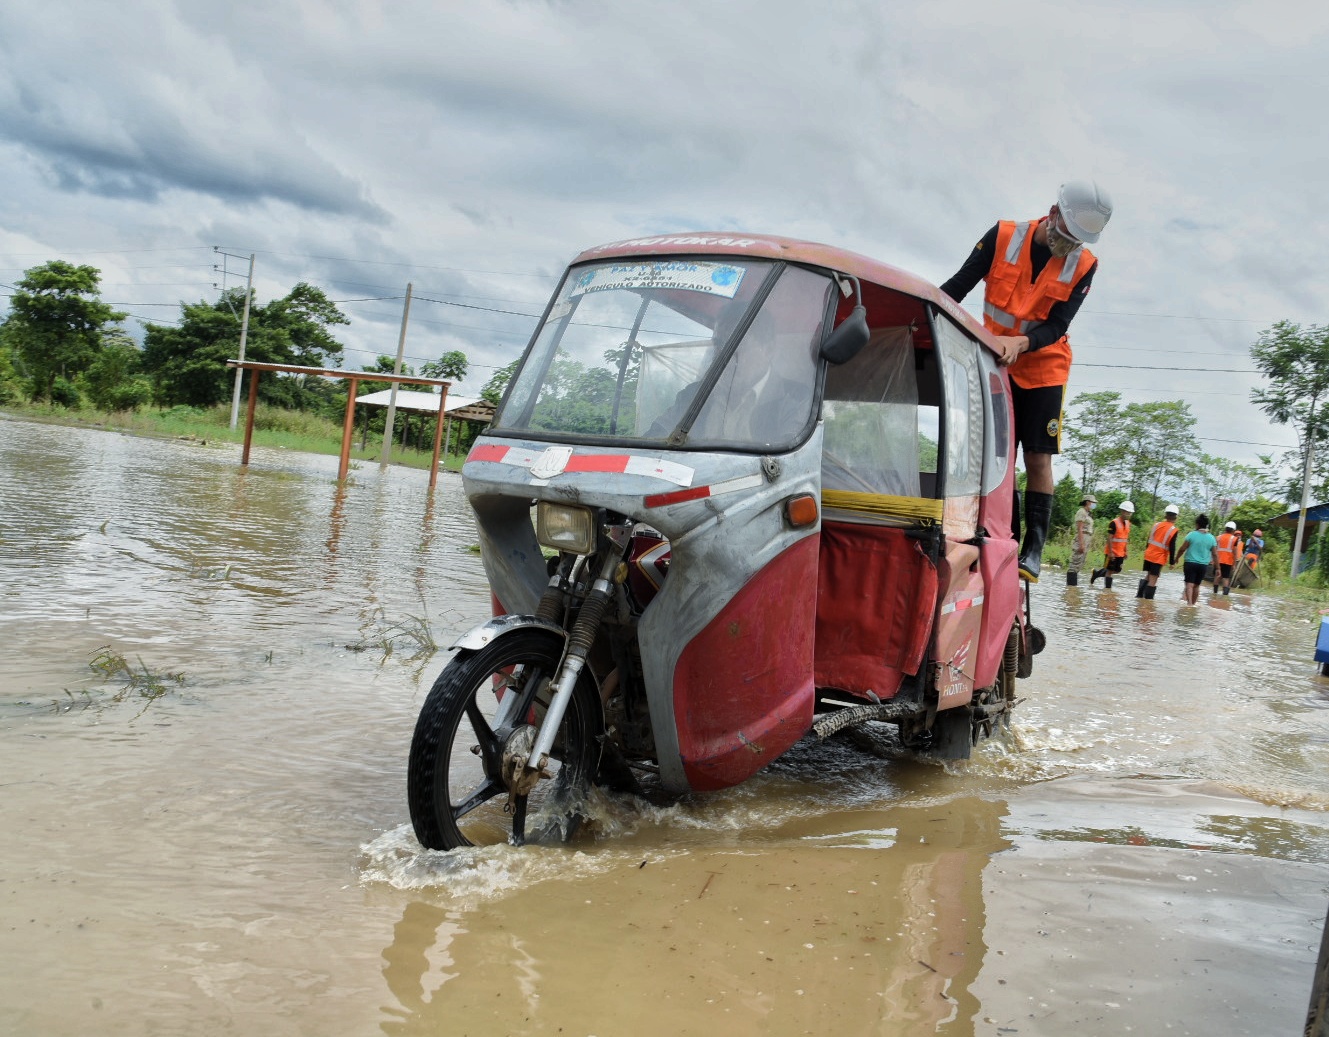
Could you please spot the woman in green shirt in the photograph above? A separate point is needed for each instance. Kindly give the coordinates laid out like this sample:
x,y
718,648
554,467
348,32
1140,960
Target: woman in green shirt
x,y
1199,549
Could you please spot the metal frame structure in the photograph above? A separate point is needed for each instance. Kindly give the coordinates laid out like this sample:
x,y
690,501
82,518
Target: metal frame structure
x,y
348,425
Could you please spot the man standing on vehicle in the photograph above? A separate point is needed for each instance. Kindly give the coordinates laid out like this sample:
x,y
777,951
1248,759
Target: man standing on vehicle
x,y
1162,548
1083,526
1037,274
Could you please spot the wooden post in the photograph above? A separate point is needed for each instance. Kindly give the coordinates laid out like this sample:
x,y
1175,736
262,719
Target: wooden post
x,y
347,430
249,415
438,434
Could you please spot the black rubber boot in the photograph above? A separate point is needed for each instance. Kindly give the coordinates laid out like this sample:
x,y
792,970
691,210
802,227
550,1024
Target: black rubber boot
x,y
1037,518
1072,578
1107,581
1149,592
1097,574
1227,590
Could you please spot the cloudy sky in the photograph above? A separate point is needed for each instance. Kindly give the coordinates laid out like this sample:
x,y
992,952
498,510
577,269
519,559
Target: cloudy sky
x,y
471,149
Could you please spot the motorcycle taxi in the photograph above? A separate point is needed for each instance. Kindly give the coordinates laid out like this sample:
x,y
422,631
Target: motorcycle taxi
x,y
739,489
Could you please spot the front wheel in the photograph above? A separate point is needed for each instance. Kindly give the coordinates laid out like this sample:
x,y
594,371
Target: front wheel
x,y
484,702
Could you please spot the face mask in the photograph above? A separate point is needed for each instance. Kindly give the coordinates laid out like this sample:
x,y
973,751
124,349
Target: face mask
x,y
1091,507
1058,243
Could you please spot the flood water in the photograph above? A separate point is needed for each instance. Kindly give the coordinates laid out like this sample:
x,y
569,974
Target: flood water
x,y
218,841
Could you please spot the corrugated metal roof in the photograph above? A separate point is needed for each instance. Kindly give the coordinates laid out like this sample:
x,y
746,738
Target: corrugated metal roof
x,y
414,399
1315,513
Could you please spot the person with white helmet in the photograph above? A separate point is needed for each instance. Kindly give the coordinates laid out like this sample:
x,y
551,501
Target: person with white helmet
x,y
1199,550
1229,550
1037,273
1083,525
1162,547
1118,545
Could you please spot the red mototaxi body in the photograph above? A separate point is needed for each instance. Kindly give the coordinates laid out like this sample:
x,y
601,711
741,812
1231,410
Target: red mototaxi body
x,y
819,614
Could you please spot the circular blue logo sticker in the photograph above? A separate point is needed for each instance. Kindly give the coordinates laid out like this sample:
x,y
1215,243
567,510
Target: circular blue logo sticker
x,y
724,276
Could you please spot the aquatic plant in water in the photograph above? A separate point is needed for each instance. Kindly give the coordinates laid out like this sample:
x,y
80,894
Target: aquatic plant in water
x,y
141,683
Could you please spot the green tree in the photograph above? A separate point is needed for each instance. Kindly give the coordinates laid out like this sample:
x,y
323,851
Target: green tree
x,y
1066,501
1217,478
11,388
55,323
112,381
452,364
1295,363
1160,443
1096,436
498,382
187,363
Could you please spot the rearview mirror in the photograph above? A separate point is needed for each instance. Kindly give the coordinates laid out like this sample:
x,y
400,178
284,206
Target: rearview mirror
x,y
843,344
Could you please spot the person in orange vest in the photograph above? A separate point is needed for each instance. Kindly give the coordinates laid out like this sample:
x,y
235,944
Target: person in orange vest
x,y
1118,545
1161,549
1037,273
1229,550
1254,549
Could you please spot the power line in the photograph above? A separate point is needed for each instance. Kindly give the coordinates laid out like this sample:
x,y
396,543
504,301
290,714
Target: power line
x,y
1172,316
406,266
1207,370
1243,442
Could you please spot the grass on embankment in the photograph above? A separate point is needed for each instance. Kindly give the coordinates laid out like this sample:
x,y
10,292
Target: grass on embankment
x,y
274,428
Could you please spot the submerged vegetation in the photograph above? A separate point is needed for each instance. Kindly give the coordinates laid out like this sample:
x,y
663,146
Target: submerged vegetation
x,y
132,684
413,634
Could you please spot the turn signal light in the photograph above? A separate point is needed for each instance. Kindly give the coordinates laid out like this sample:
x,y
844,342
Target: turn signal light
x,y
801,510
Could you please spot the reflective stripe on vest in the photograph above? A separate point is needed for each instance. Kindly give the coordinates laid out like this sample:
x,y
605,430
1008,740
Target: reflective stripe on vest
x,y
1121,536
1227,544
1015,299
1157,549
1006,320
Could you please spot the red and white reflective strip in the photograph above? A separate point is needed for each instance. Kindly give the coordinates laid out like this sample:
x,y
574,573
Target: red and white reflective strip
x,y
746,482
557,460
961,605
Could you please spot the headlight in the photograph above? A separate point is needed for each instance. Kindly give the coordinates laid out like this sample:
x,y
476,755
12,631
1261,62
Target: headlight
x,y
565,527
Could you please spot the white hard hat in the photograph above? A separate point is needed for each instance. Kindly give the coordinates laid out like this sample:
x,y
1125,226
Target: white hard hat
x,y
1230,525
1171,509
1085,209
1127,506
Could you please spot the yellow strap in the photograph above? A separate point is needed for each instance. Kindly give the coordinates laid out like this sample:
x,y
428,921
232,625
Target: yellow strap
x,y
924,508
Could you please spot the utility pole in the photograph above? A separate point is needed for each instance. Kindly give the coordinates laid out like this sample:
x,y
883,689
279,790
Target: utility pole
x,y
1305,501
392,395
244,330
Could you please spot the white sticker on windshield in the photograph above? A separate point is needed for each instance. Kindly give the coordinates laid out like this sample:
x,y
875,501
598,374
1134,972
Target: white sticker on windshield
x,y
712,278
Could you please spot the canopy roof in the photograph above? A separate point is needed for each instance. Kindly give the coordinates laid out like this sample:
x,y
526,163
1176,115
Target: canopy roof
x,y
466,408
811,253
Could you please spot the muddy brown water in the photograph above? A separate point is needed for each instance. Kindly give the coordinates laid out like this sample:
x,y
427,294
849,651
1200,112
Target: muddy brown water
x,y
1144,853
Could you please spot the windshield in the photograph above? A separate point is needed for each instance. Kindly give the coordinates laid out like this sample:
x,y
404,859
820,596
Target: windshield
x,y
649,349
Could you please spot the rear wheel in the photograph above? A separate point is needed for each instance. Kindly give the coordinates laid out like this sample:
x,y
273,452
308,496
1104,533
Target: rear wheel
x,y
487,704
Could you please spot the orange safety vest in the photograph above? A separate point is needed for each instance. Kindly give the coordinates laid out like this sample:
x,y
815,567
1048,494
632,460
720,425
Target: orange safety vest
x,y
1119,537
1014,300
1227,548
1160,538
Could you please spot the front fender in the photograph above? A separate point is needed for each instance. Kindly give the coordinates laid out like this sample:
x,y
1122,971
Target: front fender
x,y
478,637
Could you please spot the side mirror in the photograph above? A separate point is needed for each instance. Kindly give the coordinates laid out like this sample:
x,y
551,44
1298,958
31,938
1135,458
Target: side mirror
x,y
843,344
